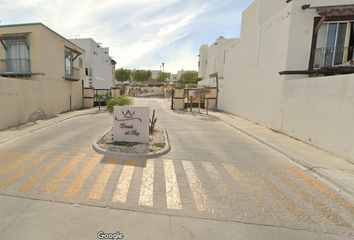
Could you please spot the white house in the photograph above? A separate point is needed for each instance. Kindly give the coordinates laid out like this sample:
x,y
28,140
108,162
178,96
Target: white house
x,y
292,70
174,77
211,64
155,74
98,64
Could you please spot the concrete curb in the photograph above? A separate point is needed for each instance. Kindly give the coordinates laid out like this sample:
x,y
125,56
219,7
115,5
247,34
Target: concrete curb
x,y
160,153
295,159
27,132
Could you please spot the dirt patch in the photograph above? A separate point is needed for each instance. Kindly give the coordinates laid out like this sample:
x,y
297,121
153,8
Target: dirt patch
x,y
157,142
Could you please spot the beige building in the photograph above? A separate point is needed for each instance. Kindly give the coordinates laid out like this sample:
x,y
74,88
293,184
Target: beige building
x,y
41,74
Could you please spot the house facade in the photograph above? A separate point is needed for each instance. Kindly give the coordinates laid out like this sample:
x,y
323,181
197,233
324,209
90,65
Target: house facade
x,y
41,74
99,74
292,70
154,74
174,77
212,64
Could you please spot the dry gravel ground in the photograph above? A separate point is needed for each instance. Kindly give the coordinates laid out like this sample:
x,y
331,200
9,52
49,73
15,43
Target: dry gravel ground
x,y
156,143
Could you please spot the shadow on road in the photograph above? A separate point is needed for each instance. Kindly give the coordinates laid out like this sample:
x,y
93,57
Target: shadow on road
x,y
201,116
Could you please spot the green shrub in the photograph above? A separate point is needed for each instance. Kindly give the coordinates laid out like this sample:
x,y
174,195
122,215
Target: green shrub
x,y
123,100
160,145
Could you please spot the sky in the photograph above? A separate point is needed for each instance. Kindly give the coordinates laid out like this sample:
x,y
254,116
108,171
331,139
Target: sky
x,y
140,34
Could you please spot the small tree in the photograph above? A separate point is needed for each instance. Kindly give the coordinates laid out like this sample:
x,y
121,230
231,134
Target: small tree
x,y
141,75
122,75
188,78
200,93
122,100
162,77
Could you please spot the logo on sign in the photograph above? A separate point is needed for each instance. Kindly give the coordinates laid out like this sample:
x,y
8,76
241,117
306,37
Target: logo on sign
x,y
128,116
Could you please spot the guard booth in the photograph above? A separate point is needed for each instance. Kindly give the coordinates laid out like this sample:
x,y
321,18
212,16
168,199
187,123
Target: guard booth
x,y
98,97
184,98
101,96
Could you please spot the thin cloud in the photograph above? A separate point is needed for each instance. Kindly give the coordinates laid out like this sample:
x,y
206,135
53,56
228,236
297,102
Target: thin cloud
x,y
139,33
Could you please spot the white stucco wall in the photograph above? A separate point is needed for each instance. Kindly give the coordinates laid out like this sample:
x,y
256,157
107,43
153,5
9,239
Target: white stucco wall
x,y
320,111
252,84
99,60
203,57
275,37
212,61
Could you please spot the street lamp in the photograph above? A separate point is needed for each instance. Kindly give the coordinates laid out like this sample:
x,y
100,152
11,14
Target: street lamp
x,y
163,76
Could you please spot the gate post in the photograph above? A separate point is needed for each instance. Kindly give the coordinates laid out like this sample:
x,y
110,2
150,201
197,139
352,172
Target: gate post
x,y
88,97
173,93
191,103
115,92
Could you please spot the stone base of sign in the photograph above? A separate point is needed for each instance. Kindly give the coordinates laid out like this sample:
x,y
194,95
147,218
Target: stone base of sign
x,y
158,145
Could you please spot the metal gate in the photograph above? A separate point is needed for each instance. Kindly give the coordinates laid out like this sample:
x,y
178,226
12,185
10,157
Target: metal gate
x,y
190,97
101,96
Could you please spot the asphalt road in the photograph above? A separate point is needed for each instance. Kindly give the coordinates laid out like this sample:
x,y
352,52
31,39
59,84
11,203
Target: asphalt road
x,y
216,183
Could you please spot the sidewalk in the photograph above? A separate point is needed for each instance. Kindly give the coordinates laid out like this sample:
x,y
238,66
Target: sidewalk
x,y
336,171
14,133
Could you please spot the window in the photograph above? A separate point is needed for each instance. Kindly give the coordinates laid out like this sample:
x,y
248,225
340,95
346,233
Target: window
x,y
80,62
17,57
88,72
335,44
69,66
71,73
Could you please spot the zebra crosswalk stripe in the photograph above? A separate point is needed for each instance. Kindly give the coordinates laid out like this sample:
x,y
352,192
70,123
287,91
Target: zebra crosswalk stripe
x,y
146,197
101,182
254,194
292,207
123,185
173,198
323,189
27,186
5,151
321,207
200,197
83,175
11,156
59,177
18,162
24,170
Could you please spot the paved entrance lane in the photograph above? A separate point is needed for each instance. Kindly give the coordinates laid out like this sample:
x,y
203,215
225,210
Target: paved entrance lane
x,y
226,176
200,137
74,135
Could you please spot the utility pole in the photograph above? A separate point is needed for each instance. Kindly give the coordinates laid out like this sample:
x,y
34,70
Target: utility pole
x,y
163,76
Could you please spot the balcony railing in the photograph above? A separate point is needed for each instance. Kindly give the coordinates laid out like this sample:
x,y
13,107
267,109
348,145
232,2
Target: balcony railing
x,y
72,73
332,57
16,65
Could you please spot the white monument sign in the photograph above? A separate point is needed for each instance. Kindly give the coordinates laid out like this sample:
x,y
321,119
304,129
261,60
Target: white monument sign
x,y
131,124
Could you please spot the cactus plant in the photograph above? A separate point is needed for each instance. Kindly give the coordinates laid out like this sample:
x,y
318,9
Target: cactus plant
x,y
152,122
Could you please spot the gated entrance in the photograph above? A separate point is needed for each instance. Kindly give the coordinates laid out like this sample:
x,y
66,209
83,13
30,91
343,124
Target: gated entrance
x,y
184,98
101,96
191,97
